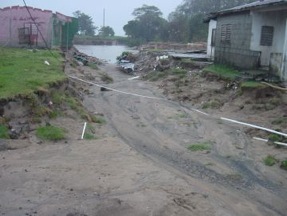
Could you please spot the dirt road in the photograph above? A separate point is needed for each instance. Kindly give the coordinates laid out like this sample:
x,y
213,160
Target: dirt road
x,y
142,166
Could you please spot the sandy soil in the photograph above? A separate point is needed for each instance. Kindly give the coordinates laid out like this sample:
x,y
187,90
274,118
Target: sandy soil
x,y
140,164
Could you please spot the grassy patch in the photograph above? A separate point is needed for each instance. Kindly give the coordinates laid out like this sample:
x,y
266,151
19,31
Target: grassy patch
x,y
213,104
51,133
283,165
223,71
200,147
270,160
251,84
4,132
23,71
90,132
98,119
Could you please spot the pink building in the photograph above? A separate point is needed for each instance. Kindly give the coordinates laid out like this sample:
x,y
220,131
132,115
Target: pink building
x,y
42,28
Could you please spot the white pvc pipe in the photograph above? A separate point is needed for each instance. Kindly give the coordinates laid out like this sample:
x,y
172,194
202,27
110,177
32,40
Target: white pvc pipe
x,y
84,129
254,126
266,140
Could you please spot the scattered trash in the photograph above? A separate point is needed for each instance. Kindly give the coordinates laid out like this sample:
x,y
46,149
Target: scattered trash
x,y
133,78
46,62
126,66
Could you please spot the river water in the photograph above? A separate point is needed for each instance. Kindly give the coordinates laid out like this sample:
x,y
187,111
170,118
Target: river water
x,y
106,53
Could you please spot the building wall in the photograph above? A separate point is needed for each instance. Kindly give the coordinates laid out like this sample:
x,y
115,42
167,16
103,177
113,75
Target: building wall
x,y
238,52
11,19
210,46
272,56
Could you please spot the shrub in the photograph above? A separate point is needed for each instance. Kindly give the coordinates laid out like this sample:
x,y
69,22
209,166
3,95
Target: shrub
x,y
270,160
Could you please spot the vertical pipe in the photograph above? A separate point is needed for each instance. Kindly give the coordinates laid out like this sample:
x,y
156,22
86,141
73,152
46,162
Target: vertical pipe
x,y
84,129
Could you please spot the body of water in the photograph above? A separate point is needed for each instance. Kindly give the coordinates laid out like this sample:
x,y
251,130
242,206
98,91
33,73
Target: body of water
x,y
107,53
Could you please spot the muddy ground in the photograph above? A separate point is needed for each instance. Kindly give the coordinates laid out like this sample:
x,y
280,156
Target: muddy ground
x,y
139,164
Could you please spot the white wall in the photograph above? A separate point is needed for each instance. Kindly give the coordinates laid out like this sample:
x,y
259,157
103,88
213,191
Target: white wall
x,y
276,19
210,49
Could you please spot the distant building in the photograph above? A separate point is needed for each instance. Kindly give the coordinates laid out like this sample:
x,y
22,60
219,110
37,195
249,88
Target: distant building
x,y
39,28
251,36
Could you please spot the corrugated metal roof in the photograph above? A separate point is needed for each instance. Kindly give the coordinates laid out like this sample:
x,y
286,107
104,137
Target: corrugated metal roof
x,y
247,7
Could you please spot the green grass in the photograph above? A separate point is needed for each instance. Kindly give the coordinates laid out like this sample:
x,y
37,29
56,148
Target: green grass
x,y
51,133
223,71
270,160
200,147
23,71
4,132
283,165
251,84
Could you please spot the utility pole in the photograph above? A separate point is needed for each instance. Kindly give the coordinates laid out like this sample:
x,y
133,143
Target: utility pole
x,y
104,17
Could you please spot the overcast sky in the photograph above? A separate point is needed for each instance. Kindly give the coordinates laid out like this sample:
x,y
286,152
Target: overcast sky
x,y
118,12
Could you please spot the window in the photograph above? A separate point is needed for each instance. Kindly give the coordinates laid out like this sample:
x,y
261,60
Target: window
x,y
226,33
213,37
267,35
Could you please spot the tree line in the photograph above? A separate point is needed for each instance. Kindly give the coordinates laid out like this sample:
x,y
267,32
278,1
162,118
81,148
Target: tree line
x,y
183,25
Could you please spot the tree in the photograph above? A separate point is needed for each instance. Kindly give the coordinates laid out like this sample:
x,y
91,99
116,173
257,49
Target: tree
x,y
148,24
186,22
86,24
106,31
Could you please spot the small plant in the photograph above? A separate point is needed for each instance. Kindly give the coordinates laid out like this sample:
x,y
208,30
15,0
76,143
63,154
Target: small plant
x,y
106,78
284,165
4,132
200,147
213,104
89,136
51,133
270,160
98,119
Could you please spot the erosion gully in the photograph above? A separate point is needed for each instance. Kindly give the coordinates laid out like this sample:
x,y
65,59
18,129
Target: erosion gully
x,y
161,130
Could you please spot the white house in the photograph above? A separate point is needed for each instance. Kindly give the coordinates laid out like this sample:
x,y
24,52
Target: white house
x,y
251,36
